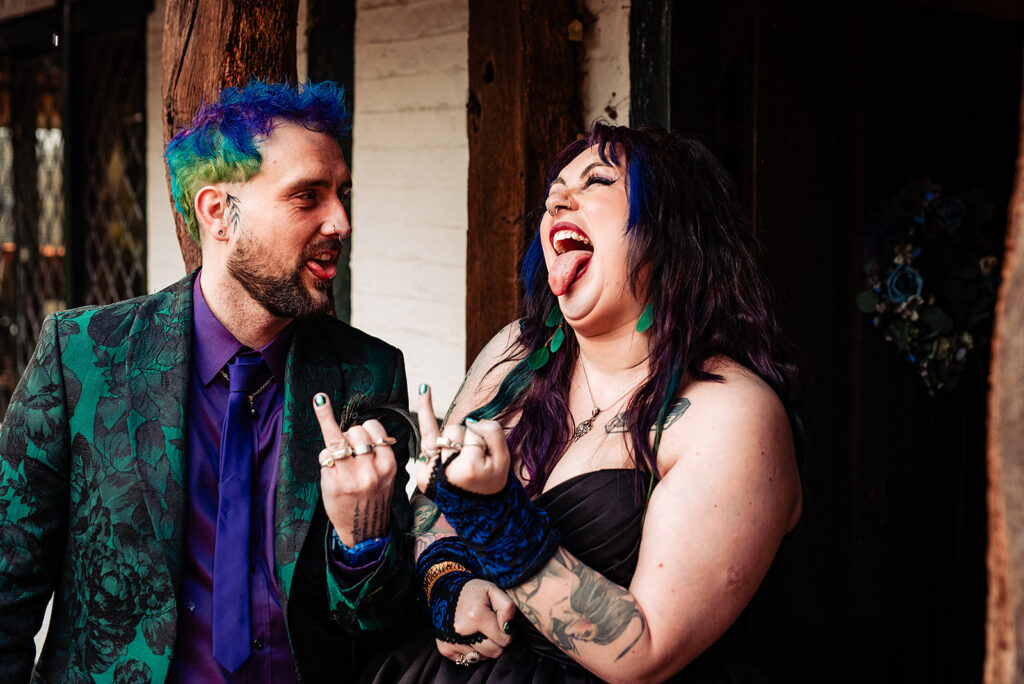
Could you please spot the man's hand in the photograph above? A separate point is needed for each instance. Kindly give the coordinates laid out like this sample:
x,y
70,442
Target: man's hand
x,y
356,475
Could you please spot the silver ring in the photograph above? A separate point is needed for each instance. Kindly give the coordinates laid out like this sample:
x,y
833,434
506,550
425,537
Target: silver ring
x,y
445,443
471,658
340,454
326,459
480,445
362,450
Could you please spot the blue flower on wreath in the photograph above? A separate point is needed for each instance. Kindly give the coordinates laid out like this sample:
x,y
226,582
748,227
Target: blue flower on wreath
x,y
904,282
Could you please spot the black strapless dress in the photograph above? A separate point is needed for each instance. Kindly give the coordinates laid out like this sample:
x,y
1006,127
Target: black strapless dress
x,y
599,516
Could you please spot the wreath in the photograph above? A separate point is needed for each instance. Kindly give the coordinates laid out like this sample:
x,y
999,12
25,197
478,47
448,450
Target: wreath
x,y
932,277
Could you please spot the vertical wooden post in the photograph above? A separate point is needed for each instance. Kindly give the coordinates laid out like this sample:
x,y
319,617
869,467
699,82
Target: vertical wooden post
x,y
210,44
1004,648
523,107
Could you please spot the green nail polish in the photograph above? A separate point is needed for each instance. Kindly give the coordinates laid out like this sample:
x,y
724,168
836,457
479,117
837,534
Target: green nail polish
x,y
471,420
320,399
507,627
423,388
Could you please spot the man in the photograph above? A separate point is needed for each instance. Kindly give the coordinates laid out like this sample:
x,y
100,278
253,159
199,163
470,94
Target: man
x,y
159,464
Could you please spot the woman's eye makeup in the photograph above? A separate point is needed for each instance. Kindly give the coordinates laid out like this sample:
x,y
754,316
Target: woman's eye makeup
x,y
599,180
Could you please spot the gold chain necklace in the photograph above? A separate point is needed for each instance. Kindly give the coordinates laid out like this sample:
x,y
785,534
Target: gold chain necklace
x,y
584,426
252,397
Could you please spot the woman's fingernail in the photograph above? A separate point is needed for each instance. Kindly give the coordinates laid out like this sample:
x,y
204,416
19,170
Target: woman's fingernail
x,y
320,399
507,627
423,389
471,420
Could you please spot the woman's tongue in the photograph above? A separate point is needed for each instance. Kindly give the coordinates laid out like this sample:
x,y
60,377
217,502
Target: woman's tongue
x,y
565,269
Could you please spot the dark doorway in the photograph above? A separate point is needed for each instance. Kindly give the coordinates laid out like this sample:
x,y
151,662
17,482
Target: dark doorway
x,y
72,167
823,113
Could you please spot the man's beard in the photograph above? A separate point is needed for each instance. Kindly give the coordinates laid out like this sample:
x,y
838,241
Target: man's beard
x,y
280,293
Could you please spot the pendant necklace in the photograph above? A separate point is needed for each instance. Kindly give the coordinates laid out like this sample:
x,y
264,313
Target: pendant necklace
x,y
584,426
252,397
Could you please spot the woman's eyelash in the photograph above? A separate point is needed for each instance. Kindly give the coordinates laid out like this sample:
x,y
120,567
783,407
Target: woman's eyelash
x,y
600,180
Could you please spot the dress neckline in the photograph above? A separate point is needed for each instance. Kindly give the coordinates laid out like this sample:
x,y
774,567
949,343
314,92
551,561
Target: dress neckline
x,y
580,476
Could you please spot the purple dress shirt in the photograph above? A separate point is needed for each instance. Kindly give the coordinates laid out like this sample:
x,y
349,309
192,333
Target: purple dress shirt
x,y
271,655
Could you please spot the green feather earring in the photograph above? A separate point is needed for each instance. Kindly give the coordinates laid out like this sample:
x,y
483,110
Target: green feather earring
x,y
646,318
540,357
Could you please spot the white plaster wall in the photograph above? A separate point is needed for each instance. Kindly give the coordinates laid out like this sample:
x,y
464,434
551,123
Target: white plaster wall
x,y
164,263
605,68
410,161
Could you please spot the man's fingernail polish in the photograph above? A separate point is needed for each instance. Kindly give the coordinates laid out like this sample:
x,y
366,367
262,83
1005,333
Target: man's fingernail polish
x,y
507,627
423,388
320,399
471,420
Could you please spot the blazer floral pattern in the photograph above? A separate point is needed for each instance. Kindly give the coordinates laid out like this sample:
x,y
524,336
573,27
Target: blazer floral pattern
x,y
92,494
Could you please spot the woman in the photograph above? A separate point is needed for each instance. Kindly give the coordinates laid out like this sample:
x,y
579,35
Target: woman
x,y
640,405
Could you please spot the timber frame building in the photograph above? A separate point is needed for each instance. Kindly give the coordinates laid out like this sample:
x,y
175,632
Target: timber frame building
x,y
819,111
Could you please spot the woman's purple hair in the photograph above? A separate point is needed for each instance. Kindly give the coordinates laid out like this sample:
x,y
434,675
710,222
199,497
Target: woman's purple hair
x,y
709,297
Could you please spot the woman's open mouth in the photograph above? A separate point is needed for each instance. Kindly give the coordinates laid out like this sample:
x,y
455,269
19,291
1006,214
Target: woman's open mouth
x,y
573,250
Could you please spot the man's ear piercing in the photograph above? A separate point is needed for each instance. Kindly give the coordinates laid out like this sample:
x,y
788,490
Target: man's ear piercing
x,y
220,232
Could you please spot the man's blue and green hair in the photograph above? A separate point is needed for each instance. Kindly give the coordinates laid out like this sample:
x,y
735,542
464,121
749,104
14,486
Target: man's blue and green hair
x,y
220,145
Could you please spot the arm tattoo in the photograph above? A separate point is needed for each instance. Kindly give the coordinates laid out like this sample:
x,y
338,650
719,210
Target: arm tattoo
x,y
234,212
596,610
425,515
676,408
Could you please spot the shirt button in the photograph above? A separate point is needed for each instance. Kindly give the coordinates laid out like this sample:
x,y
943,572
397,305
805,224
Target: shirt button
x,y
257,644
191,607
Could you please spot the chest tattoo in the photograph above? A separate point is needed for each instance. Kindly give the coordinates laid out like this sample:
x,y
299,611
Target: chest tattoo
x,y
676,408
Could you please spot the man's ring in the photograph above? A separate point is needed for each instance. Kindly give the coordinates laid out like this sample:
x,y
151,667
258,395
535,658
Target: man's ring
x,y
327,459
384,441
362,450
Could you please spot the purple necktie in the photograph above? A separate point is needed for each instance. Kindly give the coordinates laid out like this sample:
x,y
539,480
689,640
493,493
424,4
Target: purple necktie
x,y
231,548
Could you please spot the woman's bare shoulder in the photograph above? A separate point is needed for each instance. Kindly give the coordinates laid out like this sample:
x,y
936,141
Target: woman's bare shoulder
x,y
486,373
741,409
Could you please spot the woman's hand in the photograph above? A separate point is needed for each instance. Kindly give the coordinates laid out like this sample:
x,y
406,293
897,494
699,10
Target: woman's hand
x,y
357,473
477,455
486,609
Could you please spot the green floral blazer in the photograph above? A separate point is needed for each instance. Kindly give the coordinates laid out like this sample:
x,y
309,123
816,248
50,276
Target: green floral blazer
x,y
92,495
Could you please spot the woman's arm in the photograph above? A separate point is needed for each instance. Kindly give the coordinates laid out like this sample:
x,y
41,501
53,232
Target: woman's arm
x,y
713,524
481,606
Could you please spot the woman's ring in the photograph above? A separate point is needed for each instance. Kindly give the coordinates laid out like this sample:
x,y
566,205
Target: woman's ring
x,y
445,443
471,658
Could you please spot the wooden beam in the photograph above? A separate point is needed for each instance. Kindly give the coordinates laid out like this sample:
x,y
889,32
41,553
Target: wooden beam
x,y
1004,648
524,106
211,44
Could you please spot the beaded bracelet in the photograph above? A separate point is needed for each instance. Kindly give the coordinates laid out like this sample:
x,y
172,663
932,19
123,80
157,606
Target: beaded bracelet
x,y
437,571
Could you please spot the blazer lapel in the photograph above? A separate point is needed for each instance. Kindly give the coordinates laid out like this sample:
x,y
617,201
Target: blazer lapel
x,y
312,367
157,374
